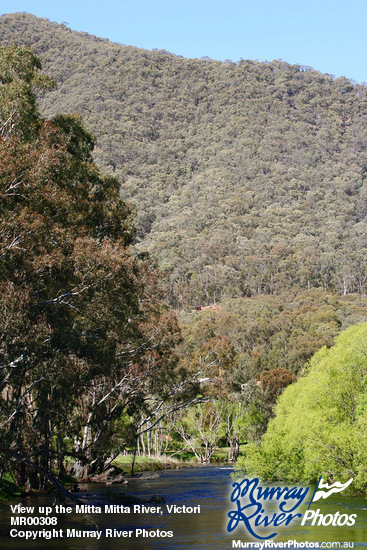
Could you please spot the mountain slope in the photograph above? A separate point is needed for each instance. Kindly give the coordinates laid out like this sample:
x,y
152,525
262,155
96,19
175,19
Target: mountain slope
x,y
247,177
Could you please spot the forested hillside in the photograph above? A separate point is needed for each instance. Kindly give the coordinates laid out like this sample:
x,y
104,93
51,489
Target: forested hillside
x,y
249,186
248,178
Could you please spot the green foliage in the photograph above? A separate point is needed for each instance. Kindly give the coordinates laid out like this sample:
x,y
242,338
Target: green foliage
x,y
249,178
19,79
320,424
249,181
267,332
84,337
243,419
202,428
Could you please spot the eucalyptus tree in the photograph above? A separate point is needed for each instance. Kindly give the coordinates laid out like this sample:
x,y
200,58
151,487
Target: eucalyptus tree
x,y
84,337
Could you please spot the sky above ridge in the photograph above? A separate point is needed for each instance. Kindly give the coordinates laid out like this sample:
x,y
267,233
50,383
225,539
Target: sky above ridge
x,y
328,35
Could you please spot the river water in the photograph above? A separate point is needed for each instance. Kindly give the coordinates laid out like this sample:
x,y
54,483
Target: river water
x,y
209,487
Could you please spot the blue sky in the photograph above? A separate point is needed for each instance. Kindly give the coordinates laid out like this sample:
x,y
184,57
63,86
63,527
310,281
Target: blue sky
x,y
328,35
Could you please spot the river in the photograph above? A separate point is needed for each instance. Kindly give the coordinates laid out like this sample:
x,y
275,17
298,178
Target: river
x,y
209,487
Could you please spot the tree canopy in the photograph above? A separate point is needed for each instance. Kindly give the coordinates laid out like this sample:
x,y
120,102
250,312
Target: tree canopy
x,y
249,178
249,183
320,421
84,339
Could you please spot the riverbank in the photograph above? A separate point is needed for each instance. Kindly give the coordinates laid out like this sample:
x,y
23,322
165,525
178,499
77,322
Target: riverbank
x,y
9,490
150,464
121,467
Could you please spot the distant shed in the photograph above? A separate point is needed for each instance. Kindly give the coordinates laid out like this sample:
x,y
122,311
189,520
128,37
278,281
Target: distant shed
x,y
214,307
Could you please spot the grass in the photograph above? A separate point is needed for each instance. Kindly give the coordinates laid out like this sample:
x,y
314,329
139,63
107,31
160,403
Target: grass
x,y
9,489
164,462
148,464
221,455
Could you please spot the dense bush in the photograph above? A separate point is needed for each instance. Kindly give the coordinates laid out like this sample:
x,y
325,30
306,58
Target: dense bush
x,y
320,423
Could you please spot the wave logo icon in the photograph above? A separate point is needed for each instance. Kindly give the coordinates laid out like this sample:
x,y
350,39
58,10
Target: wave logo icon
x,y
336,487
323,490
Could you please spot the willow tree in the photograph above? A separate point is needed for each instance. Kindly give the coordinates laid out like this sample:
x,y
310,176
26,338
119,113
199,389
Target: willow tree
x,y
320,424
